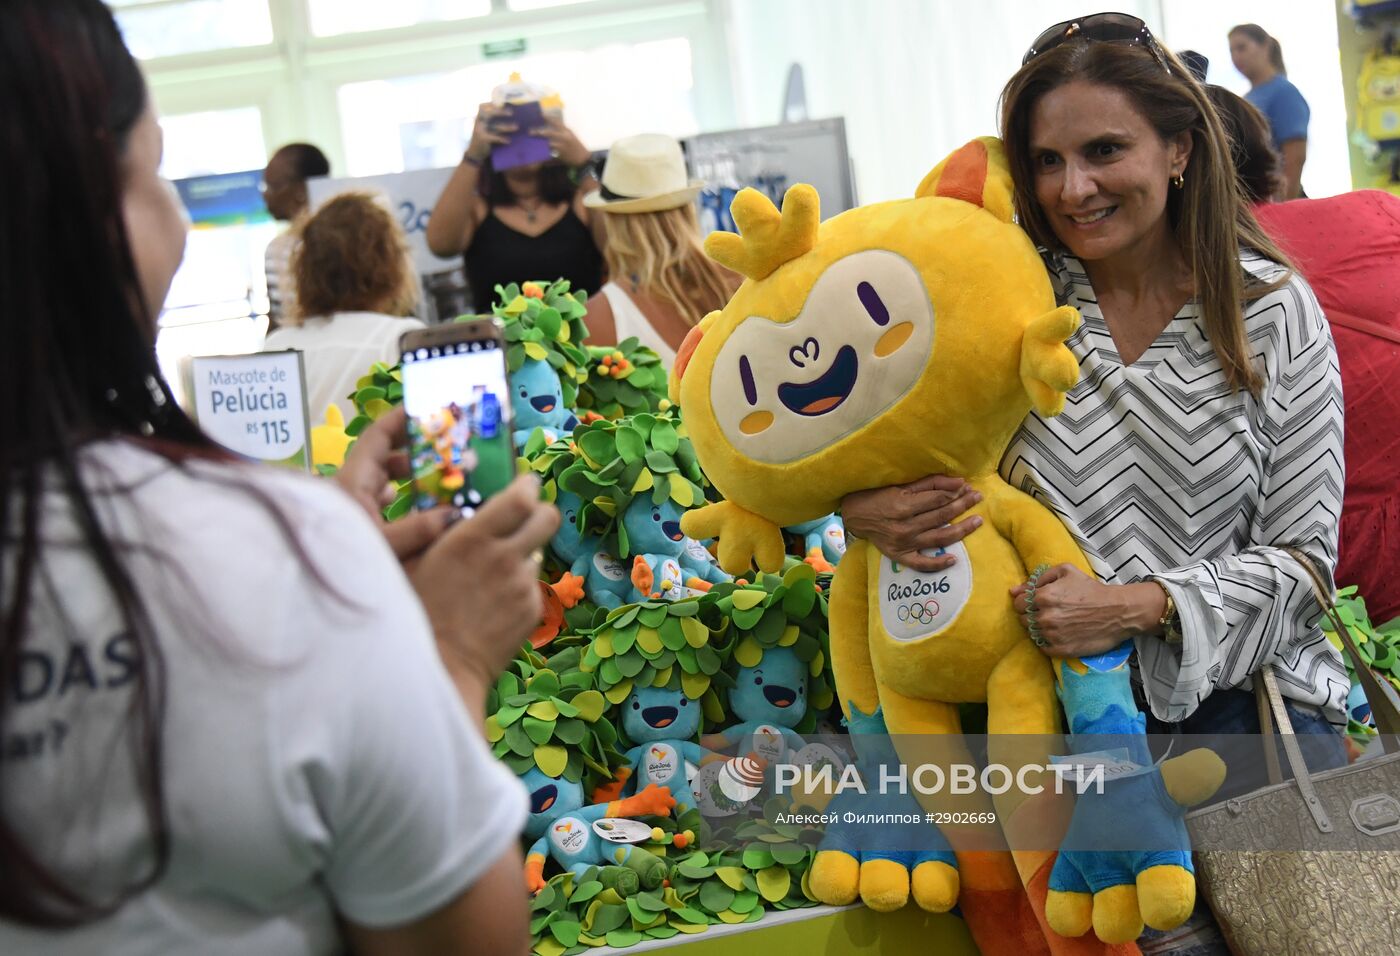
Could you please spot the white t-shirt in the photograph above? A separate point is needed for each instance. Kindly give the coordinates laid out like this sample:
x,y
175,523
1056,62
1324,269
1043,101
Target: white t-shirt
x,y
338,351
317,758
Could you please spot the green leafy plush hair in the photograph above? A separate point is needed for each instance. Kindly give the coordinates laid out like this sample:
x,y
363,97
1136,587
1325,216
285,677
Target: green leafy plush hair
x,y
623,379
548,714
607,464
1379,647
786,611
649,645
544,321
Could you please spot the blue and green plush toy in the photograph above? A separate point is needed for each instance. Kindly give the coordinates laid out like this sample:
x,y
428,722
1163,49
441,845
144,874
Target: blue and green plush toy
x,y
604,578
667,566
537,401
823,541
563,828
664,722
769,699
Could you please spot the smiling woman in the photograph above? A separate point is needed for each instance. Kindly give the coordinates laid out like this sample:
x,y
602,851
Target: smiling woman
x,y
1204,436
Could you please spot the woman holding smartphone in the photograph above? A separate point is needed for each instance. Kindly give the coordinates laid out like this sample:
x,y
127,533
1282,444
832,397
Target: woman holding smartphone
x,y
526,222
227,723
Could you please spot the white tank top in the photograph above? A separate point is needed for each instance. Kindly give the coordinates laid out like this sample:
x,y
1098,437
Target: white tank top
x,y
630,321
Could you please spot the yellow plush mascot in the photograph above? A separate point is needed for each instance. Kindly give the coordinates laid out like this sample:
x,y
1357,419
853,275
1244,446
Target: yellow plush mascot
x,y
895,341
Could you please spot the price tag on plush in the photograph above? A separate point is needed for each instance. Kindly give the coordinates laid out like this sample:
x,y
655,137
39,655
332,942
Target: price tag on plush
x,y
254,405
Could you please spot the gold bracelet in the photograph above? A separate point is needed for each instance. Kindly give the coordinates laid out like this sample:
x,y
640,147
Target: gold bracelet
x,y
1169,622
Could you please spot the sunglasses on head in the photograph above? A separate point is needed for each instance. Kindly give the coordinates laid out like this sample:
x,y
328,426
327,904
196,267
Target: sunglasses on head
x,y
1100,27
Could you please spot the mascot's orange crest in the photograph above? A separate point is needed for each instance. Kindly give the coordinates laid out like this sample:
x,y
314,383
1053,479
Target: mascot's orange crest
x,y
893,341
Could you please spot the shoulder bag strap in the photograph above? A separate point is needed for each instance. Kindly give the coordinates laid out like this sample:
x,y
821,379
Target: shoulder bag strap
x,y
1301,778
1384,701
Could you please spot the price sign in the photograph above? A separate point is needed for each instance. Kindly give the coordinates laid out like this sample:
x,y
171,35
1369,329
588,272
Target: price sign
x,y
254,405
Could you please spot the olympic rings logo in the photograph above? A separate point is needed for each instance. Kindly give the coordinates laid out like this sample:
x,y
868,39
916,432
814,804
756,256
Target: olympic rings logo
x,y
924,613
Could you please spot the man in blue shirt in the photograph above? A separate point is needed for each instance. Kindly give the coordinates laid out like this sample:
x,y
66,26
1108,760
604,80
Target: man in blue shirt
x,y
1258,56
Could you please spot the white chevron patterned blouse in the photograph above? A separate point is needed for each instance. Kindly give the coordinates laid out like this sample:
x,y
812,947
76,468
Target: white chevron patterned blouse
x,y
1162,472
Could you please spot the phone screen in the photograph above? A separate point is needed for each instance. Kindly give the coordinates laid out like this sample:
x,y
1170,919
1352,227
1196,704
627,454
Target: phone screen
x,y
457,399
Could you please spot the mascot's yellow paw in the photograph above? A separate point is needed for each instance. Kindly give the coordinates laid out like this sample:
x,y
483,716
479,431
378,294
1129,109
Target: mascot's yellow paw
x,y
1069,914
835,878
935,886
1116,915
1194,776
884,885
1166,895
745,539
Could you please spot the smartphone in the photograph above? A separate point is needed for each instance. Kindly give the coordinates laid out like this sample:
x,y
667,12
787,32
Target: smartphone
x,y
456,395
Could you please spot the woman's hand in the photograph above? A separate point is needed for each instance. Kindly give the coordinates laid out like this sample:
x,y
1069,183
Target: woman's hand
x,y
478,581
480,584
903,520
1079,616
378,456
487,134
562,140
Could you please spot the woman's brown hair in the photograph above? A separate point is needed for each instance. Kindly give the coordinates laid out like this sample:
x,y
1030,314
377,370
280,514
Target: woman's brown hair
x,y
1261,36
353,257
662,253
1208,215
1256,161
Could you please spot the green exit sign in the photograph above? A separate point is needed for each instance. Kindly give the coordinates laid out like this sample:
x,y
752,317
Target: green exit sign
x,y
503,48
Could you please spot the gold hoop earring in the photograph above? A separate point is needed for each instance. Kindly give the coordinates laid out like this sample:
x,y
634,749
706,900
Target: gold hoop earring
x,y
1179,180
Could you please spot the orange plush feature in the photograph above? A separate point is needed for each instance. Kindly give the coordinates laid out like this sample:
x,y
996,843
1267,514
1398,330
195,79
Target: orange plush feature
x,y
888,343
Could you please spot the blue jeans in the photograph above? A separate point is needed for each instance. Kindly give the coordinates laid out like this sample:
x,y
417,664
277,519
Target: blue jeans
x,y
1230,718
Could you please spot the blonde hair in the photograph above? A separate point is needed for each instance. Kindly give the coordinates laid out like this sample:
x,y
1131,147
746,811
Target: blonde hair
x,y
1210,219
353,257
662,253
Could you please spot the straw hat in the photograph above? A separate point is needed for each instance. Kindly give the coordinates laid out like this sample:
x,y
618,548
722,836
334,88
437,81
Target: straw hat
x,y
644,173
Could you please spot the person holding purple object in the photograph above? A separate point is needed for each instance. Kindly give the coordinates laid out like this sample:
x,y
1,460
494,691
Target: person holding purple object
x,y
514,223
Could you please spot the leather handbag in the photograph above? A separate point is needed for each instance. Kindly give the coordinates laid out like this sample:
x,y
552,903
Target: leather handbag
x,y
1315,864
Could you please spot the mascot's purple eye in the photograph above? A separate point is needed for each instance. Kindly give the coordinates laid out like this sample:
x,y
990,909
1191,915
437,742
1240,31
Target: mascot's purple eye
x,y
684,702
636,705
873,304
746,374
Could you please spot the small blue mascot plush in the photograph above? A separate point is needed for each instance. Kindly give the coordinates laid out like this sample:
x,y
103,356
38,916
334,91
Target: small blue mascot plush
x,y
603,578
537,401
769,699
571,832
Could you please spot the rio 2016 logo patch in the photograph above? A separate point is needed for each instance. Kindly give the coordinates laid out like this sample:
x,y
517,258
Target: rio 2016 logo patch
x,y
914,605
661,763
609,567
569,834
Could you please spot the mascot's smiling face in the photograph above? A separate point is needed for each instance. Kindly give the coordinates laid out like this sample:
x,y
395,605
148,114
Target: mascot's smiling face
x,y
891,342
660,713
782,391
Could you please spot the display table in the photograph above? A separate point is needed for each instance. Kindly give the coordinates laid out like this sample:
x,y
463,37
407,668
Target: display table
x,y
822,931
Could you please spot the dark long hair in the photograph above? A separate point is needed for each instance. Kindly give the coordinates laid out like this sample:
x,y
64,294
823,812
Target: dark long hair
x,y
556,185
1208,215
1256,161
78,363
1261,36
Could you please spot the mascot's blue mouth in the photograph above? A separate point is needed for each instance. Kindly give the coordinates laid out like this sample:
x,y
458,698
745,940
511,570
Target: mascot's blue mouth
x,y
659,717
543,403
826,393
672,530
543,798
779,696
